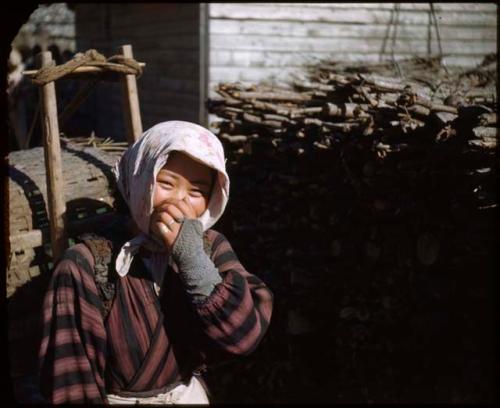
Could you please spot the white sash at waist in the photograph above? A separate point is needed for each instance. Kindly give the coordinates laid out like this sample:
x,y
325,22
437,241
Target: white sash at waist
x,y
192,393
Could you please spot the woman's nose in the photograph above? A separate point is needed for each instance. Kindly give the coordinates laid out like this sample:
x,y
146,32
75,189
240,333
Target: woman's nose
x,y
179,194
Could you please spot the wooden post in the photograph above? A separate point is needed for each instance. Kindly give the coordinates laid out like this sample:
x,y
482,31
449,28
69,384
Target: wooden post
x,y
53,166
133,123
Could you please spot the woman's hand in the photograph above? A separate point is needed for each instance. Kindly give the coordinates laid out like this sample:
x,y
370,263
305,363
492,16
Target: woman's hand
x,y
165,221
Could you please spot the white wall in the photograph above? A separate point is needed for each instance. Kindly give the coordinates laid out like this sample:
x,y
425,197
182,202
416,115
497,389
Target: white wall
x,y
268,41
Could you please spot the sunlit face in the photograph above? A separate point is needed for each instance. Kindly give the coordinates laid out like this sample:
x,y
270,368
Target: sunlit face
x,y
184,177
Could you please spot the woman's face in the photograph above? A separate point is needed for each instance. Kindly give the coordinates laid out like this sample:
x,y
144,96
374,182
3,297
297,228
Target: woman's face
x,y
184,177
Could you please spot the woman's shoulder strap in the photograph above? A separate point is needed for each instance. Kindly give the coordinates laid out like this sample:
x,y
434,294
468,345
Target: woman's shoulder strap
x,y
102,251
104,246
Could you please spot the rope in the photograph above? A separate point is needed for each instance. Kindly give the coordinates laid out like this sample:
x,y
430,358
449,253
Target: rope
x,y
393,43
115,63
436,27
386,36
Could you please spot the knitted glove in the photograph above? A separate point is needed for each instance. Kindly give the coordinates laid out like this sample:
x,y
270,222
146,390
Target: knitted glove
x,y
196,269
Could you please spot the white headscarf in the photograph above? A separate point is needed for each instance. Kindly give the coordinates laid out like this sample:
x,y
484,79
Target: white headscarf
x,y
136,173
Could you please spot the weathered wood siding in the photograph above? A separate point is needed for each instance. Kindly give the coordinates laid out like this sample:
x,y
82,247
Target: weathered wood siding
x,y
269,41
166,37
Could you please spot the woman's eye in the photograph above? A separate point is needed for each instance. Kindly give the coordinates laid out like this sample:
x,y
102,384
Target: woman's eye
x,y
165,184
196,193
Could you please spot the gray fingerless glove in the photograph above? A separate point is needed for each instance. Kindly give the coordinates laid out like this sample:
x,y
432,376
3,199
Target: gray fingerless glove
x,y
196,269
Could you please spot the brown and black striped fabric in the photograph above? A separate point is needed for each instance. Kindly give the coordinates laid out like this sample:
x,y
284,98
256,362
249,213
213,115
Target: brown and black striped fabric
x,y
147,343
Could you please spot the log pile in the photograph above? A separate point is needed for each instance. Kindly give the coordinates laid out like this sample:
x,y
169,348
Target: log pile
x,y
364,196
346,102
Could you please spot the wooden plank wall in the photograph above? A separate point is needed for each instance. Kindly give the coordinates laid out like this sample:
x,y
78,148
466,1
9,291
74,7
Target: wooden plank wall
x,y
165,36
269,41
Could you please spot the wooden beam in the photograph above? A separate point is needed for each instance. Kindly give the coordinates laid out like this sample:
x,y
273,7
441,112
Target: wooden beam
x,y
79,70
133,123
35,238
53,166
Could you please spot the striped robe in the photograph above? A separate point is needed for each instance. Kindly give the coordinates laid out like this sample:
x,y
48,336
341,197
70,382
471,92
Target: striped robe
x,y
147,342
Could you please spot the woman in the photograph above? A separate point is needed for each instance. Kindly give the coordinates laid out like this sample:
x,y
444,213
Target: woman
x,y
176,297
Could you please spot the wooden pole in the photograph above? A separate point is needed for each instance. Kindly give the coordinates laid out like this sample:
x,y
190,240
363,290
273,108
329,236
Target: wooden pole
x,y
133,123
53,167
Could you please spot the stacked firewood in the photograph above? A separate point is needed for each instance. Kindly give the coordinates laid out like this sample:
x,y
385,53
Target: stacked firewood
x,y
339,102
364,196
